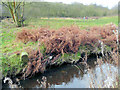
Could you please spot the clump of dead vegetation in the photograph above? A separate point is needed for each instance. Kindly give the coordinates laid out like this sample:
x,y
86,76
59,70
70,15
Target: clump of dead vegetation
x,y
63,40
33,34
68,39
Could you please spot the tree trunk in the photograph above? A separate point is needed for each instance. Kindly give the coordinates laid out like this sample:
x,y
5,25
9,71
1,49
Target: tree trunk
x,y
15,12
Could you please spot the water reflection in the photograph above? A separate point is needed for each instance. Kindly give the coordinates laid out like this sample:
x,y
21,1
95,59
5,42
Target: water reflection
x,y
104,75
72,77
57,76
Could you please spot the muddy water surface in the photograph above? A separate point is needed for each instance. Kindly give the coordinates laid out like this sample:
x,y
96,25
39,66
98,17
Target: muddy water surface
x,y
72,76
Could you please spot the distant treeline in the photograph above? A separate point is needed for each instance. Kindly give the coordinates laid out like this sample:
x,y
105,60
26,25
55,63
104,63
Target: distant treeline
x,y
48,9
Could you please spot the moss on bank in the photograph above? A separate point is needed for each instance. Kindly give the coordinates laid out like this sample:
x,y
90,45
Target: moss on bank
x,y
13,65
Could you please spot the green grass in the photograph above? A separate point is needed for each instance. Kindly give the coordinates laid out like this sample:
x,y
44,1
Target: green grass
x,y
9,30
57,23
10,44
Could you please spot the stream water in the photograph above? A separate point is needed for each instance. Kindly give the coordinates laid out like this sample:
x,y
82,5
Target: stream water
x,y
72,76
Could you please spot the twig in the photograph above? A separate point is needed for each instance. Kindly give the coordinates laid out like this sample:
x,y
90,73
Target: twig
x,y
17,7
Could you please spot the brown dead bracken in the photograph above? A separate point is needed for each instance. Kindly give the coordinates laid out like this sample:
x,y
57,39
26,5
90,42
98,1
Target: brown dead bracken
x,y
63,40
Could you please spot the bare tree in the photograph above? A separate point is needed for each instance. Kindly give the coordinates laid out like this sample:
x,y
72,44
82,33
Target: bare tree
x,y
16,10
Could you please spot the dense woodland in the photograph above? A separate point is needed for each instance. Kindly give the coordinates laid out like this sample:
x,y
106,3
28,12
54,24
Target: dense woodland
x,y
48,9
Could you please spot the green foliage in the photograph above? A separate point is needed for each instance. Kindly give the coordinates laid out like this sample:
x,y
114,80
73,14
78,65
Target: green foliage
x,y
13,64
42,48
107,48
68,57
48,9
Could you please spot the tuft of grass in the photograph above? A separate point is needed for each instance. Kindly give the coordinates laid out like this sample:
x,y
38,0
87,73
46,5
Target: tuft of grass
x,y
11,65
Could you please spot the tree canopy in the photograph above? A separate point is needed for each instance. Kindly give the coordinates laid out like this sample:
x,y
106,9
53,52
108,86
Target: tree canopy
x,y
49,9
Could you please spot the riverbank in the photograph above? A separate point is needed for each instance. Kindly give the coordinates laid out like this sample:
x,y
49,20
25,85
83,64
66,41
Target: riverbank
x,y
16,54
78,73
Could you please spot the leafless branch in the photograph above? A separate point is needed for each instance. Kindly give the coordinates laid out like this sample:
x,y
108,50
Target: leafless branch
x,y
17,7
5,4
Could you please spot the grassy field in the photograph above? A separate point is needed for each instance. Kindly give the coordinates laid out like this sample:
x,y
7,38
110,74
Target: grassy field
x,y
56,23
10,44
